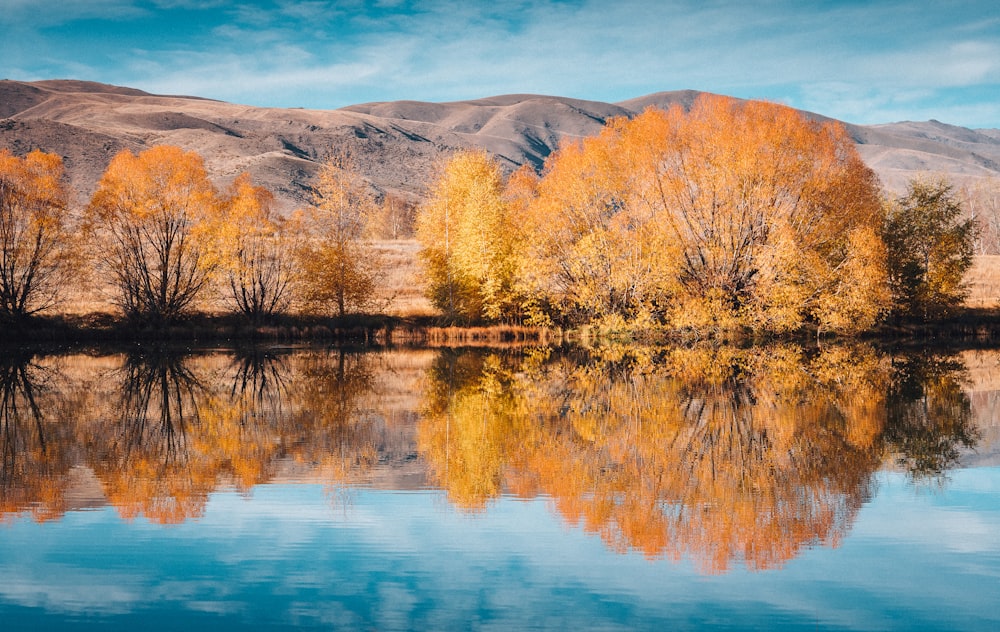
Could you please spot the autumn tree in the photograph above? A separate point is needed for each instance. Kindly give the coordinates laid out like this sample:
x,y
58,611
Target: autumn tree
x,y
149,214
37,249
339,270
255,254
469,244
735,214
930,245
716,453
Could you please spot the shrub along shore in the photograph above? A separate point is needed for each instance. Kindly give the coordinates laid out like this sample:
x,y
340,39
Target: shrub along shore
x,y
964,326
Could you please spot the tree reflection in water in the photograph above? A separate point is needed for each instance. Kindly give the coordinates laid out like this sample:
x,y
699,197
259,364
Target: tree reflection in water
x,y
330,431
719,454
34,461
184,425
930,413
143,452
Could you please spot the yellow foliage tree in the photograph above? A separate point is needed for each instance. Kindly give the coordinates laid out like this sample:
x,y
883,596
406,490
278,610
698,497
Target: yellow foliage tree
x,y
149,216
339,270
37,250
469,244
395,218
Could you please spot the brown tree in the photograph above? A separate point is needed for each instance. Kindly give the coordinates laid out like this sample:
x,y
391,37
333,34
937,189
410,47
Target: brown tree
x,y
339,270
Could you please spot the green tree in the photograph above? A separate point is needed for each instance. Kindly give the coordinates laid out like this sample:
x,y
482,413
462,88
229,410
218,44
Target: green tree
x,y
930,248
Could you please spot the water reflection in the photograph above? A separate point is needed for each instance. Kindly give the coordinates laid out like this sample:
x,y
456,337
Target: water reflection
x,y
718,454
715,453
35,447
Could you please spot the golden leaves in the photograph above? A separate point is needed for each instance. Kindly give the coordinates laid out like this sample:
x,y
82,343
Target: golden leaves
x,y
470,243
151,214
734,215
38,249
338,268
714,452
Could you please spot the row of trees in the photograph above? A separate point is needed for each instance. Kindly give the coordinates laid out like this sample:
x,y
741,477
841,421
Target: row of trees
x,y
733,215
161,237
714,453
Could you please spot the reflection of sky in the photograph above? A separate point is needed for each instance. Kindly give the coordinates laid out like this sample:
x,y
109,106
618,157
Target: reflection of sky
x,y
925,558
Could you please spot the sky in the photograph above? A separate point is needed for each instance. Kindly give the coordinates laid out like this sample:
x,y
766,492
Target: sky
x,y
861,61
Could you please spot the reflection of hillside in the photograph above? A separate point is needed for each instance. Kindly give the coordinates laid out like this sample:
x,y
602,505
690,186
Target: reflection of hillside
x,y
983,368
719,454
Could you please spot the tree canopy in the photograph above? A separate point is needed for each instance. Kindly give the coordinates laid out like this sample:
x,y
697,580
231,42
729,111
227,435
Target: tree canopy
x,y
37,249
148,212
731,215
338,269
930,245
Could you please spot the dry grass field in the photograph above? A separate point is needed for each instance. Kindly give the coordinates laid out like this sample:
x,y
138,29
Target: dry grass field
x,y
984,282
402,291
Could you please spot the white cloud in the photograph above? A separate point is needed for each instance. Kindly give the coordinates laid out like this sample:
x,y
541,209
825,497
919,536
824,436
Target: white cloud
x,y
441,50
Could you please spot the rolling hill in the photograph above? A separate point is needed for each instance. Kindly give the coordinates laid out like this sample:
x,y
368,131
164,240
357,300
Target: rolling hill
x,y
397,145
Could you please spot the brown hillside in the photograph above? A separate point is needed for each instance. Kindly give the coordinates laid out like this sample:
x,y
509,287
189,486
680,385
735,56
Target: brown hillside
x,y
396,144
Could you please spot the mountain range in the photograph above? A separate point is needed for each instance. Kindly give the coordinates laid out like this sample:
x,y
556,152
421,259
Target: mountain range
x,y
397,145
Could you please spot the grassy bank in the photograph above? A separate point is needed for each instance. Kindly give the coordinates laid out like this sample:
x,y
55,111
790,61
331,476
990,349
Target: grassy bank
x,y
376,329
969,324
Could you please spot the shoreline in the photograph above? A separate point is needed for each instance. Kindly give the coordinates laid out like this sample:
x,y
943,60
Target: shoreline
x,y
968,325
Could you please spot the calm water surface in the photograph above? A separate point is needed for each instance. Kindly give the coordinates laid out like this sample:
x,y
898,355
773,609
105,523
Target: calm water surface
x,y
612,488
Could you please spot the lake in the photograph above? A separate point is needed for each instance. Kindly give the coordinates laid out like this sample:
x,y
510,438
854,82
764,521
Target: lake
x,y
618,487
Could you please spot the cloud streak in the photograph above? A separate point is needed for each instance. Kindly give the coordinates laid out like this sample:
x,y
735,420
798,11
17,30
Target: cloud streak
x,y
887,59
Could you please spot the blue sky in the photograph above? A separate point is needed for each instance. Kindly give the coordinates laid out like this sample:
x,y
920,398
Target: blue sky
x,y
859,61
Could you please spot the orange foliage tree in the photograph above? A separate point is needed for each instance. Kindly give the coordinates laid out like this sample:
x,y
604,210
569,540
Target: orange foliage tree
x,y
735,214
255,251
35,453
149,214
716,453
37,250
